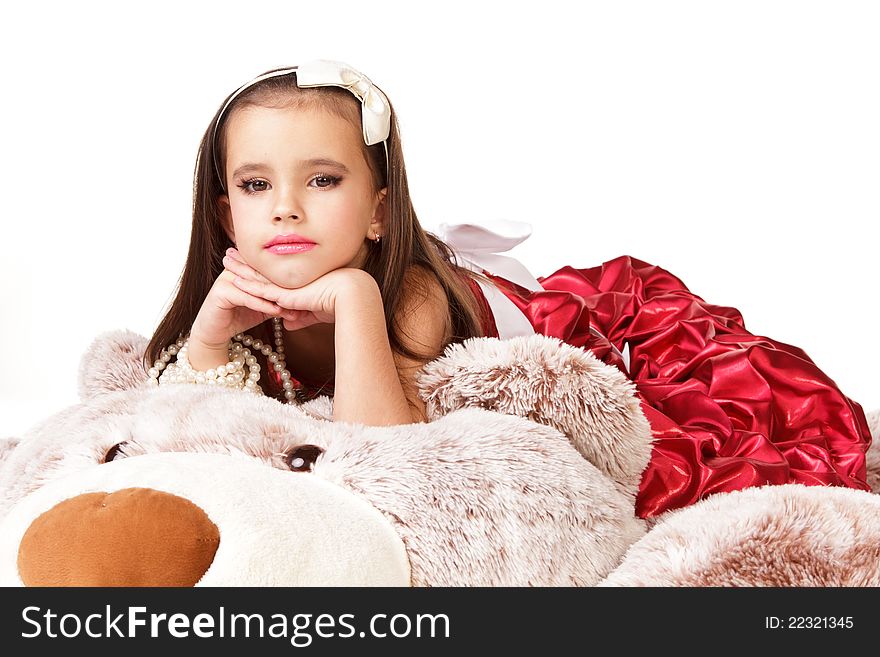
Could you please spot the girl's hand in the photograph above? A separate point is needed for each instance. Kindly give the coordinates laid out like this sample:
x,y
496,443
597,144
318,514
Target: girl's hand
x,y
314,303
228,310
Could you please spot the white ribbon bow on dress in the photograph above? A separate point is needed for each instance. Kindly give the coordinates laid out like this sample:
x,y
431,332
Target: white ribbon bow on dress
x,y
476,247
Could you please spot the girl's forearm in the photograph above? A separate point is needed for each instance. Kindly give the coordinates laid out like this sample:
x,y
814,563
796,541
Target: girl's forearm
x,y
367,388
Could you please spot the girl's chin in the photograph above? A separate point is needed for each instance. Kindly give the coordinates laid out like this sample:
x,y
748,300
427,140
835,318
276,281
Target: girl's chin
x,y
289,282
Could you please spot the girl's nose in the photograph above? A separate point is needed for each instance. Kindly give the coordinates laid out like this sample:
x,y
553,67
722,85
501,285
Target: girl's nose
x,y
287,205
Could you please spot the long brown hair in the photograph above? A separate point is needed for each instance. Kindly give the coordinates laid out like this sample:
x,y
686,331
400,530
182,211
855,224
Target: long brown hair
x,y
404,244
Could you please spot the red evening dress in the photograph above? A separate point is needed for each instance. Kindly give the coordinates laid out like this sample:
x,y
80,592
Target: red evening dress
x,y
727,409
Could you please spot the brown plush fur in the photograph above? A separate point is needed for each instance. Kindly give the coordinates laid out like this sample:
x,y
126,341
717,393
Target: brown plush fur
x,y
553,383
478,495
479,498
790,535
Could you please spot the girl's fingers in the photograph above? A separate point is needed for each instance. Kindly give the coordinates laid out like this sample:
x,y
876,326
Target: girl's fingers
x,y
234,263
300,324
233,253
294,320
235,267
294,324
258,289
254,303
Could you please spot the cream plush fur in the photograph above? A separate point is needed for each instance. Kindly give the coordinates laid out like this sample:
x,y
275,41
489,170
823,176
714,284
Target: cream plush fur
x,y
525,475
475,497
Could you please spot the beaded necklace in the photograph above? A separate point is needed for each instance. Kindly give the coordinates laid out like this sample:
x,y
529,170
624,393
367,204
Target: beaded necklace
x,y
232,374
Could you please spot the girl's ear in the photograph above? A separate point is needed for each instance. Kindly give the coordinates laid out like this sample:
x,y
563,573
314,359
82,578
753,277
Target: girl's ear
x,y
226,217
378,220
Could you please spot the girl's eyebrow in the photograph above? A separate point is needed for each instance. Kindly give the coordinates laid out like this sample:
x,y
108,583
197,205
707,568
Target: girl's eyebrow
x,y
324,162
247,167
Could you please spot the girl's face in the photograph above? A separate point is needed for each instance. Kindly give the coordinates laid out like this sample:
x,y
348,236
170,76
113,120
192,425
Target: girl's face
x,y
304,172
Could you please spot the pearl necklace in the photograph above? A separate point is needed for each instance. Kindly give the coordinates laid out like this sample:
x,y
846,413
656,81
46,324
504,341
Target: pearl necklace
x,y
232,373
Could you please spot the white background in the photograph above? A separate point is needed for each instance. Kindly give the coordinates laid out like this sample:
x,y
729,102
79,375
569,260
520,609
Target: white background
x,y
734,144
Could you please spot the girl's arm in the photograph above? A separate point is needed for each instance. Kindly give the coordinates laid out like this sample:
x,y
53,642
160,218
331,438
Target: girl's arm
x,y
373,385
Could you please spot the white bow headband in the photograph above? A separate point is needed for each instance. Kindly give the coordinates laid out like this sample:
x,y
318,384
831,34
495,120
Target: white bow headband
x,y
375,108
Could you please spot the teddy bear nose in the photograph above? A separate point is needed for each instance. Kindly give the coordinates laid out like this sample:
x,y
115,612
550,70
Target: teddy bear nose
x,y
132,537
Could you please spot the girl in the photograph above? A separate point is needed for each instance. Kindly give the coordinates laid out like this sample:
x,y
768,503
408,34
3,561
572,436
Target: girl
x,y
304,235
312,193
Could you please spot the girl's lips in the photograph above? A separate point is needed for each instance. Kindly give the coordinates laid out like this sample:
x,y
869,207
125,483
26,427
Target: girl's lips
x,y
289,249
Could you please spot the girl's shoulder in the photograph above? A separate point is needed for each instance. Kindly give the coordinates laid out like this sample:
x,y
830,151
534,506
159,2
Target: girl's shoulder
x,y
421,287
423,310
420,278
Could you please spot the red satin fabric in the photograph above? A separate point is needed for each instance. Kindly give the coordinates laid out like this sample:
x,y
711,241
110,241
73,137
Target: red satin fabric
x,y
727,409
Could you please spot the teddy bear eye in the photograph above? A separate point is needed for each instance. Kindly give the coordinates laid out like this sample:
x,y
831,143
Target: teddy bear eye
x,y
113,453
302,458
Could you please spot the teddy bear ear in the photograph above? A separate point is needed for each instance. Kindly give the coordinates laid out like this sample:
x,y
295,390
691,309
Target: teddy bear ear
x,y
114,361
550,382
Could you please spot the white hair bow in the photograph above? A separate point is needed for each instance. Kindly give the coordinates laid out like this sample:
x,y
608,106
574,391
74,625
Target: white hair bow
x,y
376,112
375,108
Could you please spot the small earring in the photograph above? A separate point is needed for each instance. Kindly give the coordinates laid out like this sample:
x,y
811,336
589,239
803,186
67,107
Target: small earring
x,y
378,237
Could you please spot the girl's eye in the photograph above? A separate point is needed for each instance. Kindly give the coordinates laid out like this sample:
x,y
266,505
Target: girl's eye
x,y
253,186
321,181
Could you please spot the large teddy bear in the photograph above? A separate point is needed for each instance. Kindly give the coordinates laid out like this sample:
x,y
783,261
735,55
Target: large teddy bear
x,y
526,474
